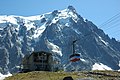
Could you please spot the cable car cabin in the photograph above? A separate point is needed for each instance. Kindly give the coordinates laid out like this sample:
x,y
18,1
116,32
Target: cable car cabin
x,y
38,61
74,57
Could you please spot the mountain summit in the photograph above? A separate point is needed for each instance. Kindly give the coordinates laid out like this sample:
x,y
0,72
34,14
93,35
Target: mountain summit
x,y
54,32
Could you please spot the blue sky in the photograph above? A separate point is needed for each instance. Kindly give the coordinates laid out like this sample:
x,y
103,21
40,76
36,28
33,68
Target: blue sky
x,y
97,11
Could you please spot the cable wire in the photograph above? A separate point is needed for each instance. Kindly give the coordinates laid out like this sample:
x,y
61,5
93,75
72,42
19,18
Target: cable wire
x,y
110,20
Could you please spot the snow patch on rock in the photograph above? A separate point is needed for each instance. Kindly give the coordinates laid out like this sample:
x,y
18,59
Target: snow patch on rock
x,y
82,60
2,77
100,66
54,48
106,43
39,31
119,63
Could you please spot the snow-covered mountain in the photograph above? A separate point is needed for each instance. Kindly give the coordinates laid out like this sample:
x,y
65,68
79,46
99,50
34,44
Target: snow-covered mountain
x,y
54,32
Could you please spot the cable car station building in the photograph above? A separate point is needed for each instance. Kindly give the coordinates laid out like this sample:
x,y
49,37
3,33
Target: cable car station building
x,y
39,61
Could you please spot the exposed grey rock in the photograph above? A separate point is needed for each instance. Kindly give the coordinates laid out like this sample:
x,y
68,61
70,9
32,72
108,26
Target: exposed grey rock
x,y
59,28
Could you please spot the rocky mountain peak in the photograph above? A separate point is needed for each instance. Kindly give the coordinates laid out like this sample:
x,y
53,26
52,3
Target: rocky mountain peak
x,y
71,8
54,32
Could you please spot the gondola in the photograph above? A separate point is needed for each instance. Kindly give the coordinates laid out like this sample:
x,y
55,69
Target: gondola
x,y
74,57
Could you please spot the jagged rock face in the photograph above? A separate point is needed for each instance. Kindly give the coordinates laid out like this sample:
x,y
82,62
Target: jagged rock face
x,y
54,32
